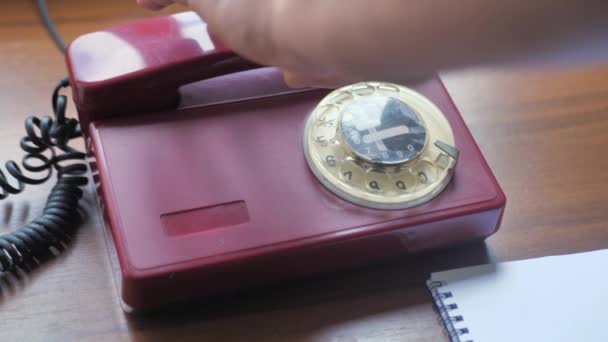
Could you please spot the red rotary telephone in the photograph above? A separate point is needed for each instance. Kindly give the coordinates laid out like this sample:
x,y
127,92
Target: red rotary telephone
x,y
214,176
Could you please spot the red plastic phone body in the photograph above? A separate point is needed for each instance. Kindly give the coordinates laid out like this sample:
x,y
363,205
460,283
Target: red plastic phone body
x,y
213,194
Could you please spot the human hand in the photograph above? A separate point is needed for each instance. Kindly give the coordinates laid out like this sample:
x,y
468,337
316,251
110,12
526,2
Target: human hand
x,y
329,43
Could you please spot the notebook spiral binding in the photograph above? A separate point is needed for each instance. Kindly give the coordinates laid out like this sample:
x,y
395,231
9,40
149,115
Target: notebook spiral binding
x,y
455,334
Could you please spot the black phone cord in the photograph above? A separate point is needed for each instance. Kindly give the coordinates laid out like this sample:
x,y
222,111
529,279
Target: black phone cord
x,y
61,216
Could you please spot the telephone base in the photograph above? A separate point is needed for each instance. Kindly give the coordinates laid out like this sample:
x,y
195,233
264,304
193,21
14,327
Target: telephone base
x,y
214,198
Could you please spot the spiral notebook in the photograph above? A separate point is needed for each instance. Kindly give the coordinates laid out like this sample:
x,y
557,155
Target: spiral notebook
x,y
555,298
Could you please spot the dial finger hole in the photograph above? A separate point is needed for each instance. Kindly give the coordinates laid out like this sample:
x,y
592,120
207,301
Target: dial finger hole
x,y
403,182
324,136
423,178
376,180
388,87
351,173
443,161
331,159
363,89
359,163
425,173
327,116
341,98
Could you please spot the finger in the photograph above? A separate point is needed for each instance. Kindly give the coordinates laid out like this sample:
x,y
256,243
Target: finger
x,y
245,26
302,80
286,34
155,5
295,81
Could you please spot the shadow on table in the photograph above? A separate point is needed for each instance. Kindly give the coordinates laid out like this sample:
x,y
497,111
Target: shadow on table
x,y
331,299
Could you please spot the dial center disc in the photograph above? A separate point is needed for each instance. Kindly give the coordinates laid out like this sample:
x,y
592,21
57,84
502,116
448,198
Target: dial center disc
x,y
382,129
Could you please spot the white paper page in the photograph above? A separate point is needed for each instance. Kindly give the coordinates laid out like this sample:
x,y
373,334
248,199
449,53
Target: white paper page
x,y
557,298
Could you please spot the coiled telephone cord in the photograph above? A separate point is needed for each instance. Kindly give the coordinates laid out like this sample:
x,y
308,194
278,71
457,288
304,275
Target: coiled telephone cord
x,y
60,217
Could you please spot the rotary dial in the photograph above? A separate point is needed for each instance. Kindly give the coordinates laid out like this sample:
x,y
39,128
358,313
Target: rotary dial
x,y
380,145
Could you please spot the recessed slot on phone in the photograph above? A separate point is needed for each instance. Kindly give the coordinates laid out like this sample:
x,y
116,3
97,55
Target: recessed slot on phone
x,y
206,218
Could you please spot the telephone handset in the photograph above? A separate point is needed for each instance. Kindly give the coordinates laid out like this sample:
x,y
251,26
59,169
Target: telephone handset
x,y
140,67
244,181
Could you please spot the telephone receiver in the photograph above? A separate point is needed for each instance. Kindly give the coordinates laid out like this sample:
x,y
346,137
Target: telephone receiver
x,y
140,68
214,176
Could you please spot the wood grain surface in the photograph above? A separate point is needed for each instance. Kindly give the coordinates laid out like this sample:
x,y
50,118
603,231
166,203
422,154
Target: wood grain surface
x,y
543,131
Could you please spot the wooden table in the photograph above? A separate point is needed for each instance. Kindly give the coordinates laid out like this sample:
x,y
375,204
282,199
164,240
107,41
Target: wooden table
x,y
542,131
